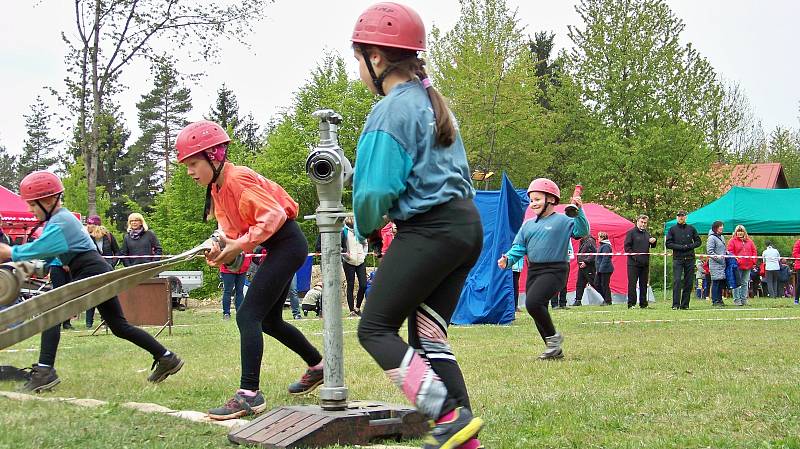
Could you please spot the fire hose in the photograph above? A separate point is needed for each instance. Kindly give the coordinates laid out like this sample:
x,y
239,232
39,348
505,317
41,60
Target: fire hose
x,y
55,306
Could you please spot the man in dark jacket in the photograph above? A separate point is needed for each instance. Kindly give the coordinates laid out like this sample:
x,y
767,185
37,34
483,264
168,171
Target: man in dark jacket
x,y
638,240
682,239
585,267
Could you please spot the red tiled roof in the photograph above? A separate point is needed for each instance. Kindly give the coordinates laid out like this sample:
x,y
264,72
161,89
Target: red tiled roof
x,y
762,176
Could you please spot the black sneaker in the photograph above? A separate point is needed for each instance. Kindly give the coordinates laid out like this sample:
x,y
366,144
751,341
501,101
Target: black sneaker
x,y
67,326
43,378
239,405
452,434
310,380
164,366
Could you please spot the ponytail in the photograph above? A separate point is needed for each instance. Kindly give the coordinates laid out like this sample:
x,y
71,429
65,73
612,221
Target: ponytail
x,y
445,129
407,61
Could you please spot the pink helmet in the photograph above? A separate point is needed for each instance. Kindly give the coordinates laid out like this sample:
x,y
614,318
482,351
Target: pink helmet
x,y
390,25
94,220
201,136
545,185
40,184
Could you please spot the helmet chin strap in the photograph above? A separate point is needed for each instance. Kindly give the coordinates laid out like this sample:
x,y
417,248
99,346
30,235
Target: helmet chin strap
x,y
546,205
217,171
48,214
376,80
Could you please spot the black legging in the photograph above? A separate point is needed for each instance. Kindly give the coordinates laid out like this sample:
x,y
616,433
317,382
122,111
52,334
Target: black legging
x,y
350,273
421,279
86,265
262,309
544,281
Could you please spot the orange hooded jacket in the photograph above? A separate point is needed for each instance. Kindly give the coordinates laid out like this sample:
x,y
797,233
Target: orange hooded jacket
x,y
249,207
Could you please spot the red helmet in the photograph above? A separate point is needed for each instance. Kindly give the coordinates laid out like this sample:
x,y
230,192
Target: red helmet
x,y
390,25
200,136
545,185
40,184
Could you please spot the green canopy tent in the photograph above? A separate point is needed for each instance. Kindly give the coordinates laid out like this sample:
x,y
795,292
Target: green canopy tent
x,y
760,211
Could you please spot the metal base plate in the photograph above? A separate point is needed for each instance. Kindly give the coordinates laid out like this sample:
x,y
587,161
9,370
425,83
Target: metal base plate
x,y
304,426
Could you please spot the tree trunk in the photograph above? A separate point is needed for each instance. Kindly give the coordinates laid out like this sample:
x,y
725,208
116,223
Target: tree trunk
x,y
92,150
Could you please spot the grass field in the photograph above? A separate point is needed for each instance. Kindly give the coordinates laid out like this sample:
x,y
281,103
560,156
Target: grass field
x,y
654,378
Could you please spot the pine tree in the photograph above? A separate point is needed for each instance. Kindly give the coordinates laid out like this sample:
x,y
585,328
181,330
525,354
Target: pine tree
x,y
162,113
39,150
226,110
9,176
249,133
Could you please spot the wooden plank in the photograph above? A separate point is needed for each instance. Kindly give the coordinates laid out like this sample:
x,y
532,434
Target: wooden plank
x,y
307,426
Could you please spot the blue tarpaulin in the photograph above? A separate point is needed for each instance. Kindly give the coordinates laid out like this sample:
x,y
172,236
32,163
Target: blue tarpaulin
x,y
304,275
488,296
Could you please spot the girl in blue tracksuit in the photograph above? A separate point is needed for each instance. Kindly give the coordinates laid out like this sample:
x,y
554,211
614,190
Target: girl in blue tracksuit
x,y
545,240
411,165
65,244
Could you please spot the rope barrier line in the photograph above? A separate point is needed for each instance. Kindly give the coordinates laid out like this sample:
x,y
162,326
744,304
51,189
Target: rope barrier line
x,y
658,254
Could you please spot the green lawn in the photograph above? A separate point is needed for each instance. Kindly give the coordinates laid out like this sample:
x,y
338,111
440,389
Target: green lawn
x,y
702,378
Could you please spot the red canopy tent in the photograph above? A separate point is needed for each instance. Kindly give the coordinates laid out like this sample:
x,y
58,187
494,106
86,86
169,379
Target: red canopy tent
x,y
600,219
17,220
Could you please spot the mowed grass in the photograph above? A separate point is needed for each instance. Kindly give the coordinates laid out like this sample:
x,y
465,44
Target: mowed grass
x,y
654,378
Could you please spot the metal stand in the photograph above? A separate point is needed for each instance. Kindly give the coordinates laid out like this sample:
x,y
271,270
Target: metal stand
x,y
334,421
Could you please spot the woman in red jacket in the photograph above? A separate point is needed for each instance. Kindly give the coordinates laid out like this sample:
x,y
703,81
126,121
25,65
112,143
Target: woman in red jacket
x,y
742,245
796,257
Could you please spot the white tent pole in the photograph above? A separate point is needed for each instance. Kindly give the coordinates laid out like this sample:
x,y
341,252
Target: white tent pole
x,y
665,270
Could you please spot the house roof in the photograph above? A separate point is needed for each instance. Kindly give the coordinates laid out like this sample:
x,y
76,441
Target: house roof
x,y
760,176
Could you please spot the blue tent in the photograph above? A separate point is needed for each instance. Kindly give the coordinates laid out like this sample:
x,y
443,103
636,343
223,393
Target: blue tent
x,y
488,296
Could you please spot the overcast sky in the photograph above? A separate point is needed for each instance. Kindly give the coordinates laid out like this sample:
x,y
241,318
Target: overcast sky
x,y
750,42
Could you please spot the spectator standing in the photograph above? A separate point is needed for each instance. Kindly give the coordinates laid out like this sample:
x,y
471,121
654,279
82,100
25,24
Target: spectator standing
x,y
682,239
772,268
638,240
784,276
139,241
699,276
742,245
233,286
796,257
604,267
586,266
715,247
4,239
354,255
106,245
294,299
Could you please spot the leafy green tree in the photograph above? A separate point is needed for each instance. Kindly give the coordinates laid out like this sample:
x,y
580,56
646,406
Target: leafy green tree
x,y
656,101
225,111
736,132
483,66
784,147
110,35
162,113
294,133
39,152
9,176
75,193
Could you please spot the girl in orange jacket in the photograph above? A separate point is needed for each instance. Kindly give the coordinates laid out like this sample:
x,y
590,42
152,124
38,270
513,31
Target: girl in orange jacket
x,y
251,210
